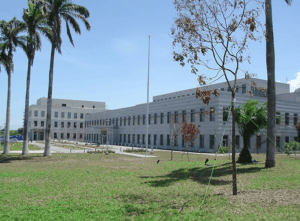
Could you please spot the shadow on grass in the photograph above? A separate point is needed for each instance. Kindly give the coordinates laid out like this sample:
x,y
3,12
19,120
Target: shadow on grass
x,y
200,175
10,158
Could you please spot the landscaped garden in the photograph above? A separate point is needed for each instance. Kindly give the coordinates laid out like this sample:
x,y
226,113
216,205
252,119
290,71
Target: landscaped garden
x,y
120,187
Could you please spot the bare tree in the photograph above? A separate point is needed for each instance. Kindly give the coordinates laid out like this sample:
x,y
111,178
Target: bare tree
x,y
175,123
215,34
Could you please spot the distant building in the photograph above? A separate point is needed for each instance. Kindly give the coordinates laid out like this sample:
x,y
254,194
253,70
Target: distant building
x,y
68,118
127,126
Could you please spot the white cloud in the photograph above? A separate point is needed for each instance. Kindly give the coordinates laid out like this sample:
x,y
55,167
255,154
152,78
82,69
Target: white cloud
x,y
295,83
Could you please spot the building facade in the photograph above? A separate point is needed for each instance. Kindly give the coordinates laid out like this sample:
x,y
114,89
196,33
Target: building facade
x,y
68,117
127,126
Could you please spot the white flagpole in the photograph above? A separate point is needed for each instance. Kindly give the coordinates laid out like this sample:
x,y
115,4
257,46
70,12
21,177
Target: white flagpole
x,y
147,115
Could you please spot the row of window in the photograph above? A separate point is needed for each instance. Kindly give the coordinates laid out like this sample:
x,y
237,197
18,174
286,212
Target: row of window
x,y
62,114
62,136
61,125
286,118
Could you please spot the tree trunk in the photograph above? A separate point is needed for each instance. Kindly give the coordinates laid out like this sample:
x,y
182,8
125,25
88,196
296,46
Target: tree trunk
x,y
234,186
271,90
47,151
25,150
6,142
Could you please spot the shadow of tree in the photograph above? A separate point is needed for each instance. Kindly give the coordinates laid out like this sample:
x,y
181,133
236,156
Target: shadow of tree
x,y
9,158
200,174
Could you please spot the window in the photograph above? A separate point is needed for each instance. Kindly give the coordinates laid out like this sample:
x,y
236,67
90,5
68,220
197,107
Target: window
x,y
237,141
128,120
42,123
211,141
278,117
69,114
143,138
75,115
35,123
287,120
168,140
124,121
55,114
138,139
193,115
109,121
201,141
82,106
168,117
155,139
258,142
243,88
161,118
225,113
81,125
133,138
80,136
175,143
61,135
68,135
69,125
36,113
237,89
202,115
149,119
222,89
212,114
287,139
93,106
176,116
133,120
75,124
121,121
144,119
63,105
55,124
74,135
120,138
149,139
155,118
128,138
228,89
81,115
183,116
113,121
62,124
278,142
295,119
97,122
117,119
161,140
55,135
138,120
182,141
124,138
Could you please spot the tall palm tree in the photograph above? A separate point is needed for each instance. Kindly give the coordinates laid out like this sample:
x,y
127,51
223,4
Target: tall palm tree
x,y
271,147
35,20
61,10
10,40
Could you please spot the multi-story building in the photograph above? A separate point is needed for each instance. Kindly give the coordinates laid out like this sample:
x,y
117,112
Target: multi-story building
x,y
127,126
68,117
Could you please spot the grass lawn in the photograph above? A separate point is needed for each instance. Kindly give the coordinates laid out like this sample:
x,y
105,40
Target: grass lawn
x,y
120,187
19,146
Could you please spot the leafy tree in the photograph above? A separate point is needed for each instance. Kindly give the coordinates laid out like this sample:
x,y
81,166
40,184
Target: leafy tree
x,y
250,119
20,131
59,10
34,18
190,133
215,34
10,39
271,96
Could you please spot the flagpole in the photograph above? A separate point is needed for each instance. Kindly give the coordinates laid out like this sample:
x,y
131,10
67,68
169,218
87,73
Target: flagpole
x,y
147,115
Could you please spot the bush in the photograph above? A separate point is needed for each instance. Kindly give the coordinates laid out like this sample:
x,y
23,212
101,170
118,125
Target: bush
x,y
224,149
245,156
135,151
99,151
294,145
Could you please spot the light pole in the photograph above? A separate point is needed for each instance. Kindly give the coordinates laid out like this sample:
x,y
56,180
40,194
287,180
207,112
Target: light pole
x,y
106,137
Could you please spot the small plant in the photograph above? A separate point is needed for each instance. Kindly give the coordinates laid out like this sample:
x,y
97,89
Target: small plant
x,y
287,148
224,149
135,151
294,145
100,152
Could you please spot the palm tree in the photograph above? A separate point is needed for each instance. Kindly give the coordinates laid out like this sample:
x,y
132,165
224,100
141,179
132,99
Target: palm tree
x,y
61,10
271,147
10,40
34,18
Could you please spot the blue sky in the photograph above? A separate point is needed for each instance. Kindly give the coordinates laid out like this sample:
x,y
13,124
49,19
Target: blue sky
x,y
109,62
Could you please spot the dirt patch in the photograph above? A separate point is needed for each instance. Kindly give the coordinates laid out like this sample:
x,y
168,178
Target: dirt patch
x,y
265,198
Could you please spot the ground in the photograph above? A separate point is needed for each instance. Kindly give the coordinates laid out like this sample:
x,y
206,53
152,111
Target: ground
x,y
119,187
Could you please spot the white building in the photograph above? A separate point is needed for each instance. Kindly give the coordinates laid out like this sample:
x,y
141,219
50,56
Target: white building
x,y
68,118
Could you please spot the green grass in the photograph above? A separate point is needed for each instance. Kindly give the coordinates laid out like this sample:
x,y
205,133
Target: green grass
x,y
19,146
120,187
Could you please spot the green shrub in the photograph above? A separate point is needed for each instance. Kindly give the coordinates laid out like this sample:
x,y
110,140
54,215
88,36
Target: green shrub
x,y
135,151
100,151
224,149
294,145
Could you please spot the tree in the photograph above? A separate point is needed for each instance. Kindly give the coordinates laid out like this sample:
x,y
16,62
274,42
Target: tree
x,y
271,96
190,134
34,18
20,131
59,10
219,31
298,131
10,39
250,118
175,123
